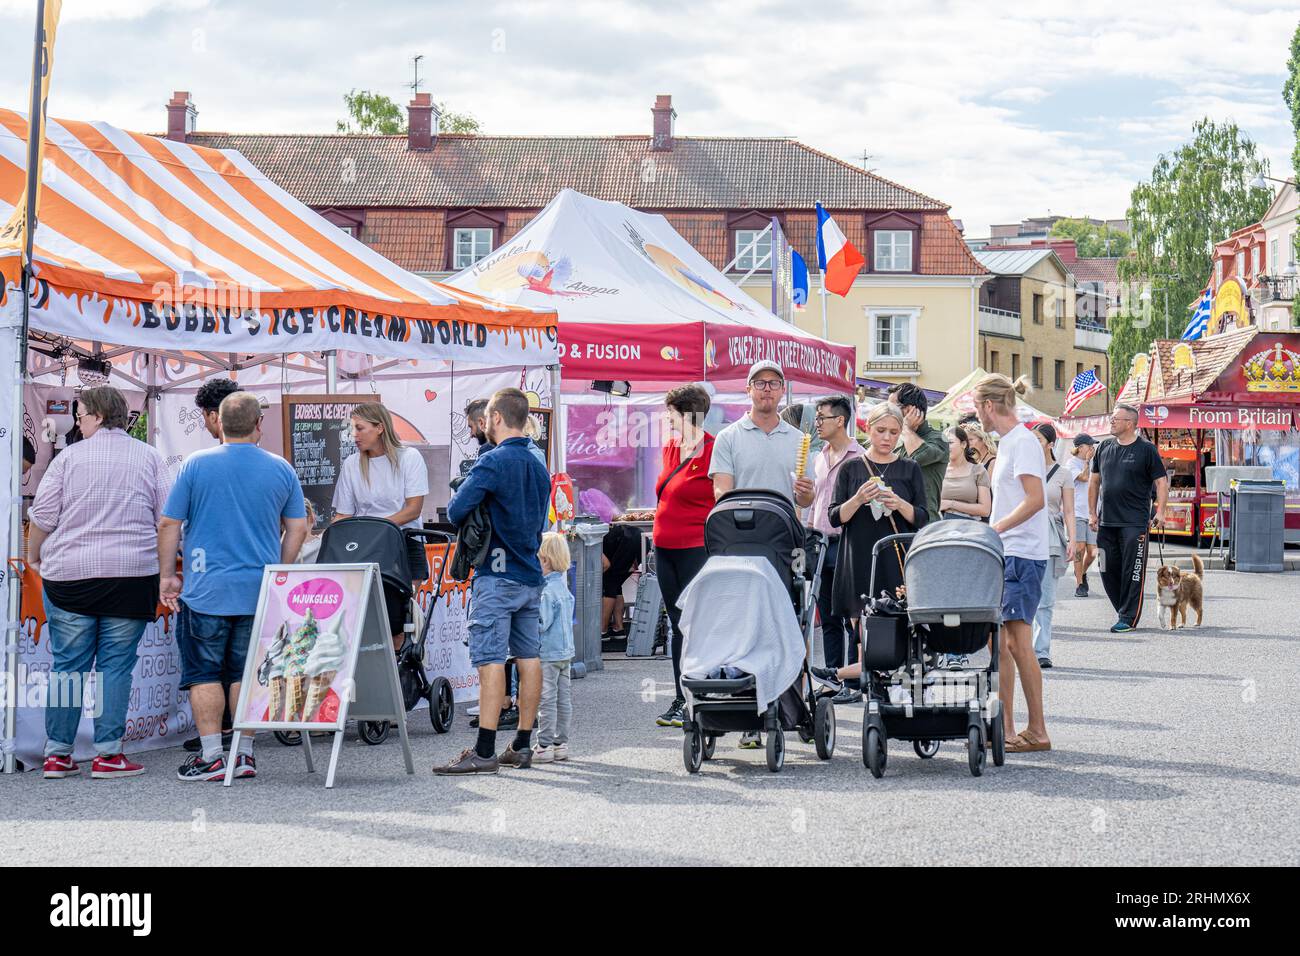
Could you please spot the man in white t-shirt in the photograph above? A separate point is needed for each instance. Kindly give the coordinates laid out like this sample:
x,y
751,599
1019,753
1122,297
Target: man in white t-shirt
x,y
1084,448
1020,519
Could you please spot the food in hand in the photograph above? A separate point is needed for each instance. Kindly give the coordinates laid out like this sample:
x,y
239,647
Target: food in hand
x,y
801,460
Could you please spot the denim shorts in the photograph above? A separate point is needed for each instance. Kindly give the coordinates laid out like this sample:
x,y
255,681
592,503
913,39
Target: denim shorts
x,y
503,620
1022,588
213,647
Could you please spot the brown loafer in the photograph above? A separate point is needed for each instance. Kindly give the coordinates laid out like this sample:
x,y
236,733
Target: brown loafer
x,y
519,759
468,762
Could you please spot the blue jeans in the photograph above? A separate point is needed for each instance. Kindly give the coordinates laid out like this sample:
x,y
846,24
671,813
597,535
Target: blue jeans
x,y
502,620
1043,618
76,642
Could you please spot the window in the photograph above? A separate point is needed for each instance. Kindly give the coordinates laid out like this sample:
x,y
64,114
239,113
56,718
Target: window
x,y
1015,366
1037,371
1096,370
350,230
1038,309
1254,260
893,250
1078,368
1058,306
993,361
1272,258
1241,265
1218,273
893,340
1290,249
470,246
1060,376
757,256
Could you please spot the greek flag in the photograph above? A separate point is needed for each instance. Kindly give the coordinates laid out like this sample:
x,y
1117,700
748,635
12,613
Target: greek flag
x,y
1200,318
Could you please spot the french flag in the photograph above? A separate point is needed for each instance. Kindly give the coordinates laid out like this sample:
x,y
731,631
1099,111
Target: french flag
x,y
839,261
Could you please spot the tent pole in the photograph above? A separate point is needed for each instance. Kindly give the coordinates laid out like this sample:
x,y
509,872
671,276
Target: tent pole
x,y
559,439
13,624
332,372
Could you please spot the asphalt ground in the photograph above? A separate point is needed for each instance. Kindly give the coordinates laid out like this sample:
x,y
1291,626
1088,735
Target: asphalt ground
x,y
1169,748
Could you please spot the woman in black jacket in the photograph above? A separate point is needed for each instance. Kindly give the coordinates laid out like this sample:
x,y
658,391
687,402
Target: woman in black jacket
x,y
886,479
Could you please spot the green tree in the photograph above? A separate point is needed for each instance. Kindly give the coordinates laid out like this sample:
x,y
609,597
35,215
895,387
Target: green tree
x,y
1291,96
1092,241
1195,198
377,114
450,121
372,113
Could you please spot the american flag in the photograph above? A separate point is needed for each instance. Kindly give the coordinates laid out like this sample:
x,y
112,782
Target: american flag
x,y
1084,386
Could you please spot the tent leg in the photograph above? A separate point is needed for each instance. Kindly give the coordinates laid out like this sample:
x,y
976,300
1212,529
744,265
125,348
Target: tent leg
x,y
558,426
13,620
332,372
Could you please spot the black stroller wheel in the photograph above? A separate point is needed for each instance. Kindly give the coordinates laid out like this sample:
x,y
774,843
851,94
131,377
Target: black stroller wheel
x,y
442,705
925,749
693,750
998,740
975,750
875,752
776,750
290,738
710,744
373,732
825,722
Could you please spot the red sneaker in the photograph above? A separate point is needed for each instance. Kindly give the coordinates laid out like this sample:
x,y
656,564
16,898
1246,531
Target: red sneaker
x,y
115,766
59,766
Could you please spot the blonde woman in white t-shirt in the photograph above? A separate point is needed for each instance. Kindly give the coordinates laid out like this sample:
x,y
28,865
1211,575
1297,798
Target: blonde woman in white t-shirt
x,y
384,479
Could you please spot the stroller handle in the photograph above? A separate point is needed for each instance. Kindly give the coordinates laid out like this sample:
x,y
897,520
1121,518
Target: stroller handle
x,y
875,553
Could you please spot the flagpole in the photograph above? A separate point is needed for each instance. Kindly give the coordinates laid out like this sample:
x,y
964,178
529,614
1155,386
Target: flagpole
x,y
35,130
826,332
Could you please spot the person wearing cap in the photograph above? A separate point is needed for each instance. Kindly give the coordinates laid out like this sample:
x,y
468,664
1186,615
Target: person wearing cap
x,y
1085,539
759,451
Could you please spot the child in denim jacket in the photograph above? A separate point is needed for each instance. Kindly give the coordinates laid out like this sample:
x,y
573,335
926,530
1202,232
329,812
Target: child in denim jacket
x,y
555,623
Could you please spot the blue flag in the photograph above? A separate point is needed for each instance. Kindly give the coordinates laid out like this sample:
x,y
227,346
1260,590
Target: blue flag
x,y
799,268
1200,318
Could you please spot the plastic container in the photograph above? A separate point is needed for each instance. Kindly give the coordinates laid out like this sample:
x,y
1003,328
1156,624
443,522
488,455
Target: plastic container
x,y
953,573
585,546
1258,541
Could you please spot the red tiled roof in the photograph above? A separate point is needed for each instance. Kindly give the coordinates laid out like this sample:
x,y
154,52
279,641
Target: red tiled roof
x,y
468,170
1212,357
1096,270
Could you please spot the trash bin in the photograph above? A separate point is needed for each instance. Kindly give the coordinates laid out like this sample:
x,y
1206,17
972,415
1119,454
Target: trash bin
x,y
585,545
1258,518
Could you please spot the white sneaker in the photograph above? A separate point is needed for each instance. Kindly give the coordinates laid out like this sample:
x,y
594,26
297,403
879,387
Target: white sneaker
x,y
543,754
472,711
561,751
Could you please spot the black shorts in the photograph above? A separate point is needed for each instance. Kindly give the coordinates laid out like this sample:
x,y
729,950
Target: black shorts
x,y
417,559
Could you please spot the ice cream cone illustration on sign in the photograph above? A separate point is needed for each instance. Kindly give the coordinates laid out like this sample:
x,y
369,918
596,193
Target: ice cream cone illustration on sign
x,y
322,664
271,673
295,674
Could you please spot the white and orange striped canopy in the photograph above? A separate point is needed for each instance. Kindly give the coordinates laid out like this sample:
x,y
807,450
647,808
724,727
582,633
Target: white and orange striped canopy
x,y
156,244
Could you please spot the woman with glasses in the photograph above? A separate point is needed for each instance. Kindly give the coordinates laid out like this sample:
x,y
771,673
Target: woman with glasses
x,y
94,541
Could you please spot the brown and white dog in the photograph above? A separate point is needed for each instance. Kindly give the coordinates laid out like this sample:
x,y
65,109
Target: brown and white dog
x,y
1177,591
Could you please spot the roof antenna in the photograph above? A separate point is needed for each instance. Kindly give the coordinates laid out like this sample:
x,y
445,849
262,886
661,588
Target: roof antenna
x,y
415,84
866,158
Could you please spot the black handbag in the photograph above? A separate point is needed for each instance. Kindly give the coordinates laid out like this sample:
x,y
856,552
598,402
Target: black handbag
x,y
473,542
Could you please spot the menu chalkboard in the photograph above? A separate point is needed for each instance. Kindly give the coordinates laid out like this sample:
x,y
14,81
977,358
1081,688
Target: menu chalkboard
x,y
317,440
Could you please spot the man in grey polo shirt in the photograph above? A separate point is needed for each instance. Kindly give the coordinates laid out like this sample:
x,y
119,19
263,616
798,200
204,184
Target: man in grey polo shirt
x,y
759,451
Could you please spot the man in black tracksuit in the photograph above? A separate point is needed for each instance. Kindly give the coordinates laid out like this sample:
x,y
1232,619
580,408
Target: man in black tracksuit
x,y
1127,474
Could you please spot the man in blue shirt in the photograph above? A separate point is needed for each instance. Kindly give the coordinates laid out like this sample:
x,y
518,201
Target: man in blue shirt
x,y
506,591
230,501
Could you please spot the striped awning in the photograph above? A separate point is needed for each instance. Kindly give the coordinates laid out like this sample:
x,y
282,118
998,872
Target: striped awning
x,y
152,243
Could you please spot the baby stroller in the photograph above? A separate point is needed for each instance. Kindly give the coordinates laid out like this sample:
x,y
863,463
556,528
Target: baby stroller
x,y
377,540
953,574
761,524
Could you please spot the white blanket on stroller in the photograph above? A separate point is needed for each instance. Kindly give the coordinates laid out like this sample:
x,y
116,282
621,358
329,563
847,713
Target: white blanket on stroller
x,y
737,613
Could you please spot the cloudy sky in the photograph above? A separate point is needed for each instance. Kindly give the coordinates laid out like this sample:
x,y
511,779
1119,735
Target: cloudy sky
x,y
1055,106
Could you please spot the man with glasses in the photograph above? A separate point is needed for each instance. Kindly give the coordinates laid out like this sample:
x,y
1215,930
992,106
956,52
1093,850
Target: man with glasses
x,y
834,413
759,451
1125,473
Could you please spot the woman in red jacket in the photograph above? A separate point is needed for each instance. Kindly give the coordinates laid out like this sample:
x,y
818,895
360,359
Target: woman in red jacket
x,y
685,494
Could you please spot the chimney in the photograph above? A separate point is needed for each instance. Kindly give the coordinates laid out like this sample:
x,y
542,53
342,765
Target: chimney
x,y
182,117
664,115
421,122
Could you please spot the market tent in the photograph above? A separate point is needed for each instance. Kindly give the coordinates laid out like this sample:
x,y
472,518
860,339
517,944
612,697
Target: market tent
x,y
960,401
637,302
149,243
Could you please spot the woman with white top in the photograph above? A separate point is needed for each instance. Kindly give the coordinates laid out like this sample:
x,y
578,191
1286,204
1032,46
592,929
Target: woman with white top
x,y
384,479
